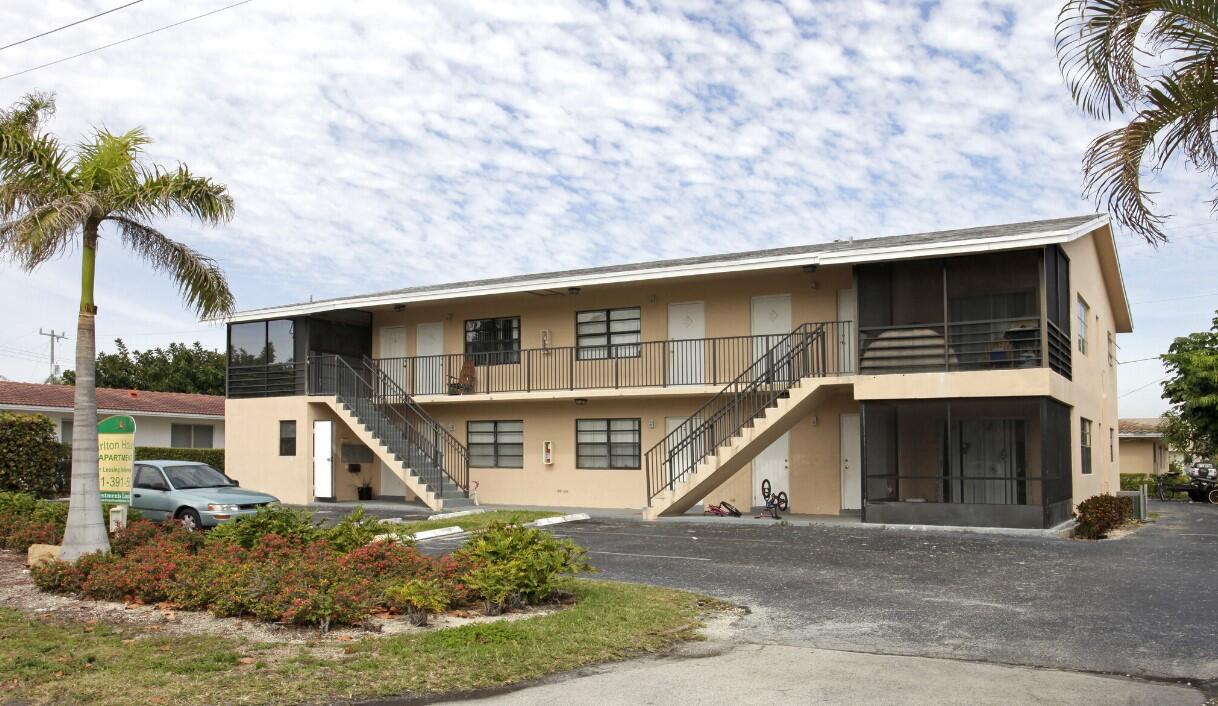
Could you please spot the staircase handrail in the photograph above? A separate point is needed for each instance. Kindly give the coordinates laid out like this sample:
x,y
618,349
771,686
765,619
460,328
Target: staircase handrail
x,y
773,373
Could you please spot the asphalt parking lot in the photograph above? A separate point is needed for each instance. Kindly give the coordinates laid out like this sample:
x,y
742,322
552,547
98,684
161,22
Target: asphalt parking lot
x,y
1144,605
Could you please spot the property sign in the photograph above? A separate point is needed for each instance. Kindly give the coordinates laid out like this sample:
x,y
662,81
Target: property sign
x,y
115,458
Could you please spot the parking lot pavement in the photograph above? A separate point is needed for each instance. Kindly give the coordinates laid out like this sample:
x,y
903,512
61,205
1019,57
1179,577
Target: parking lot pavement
x,y
1145,604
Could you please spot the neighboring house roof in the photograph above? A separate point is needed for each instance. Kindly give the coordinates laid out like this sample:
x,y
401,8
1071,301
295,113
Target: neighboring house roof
x,y
1146,427
939,243
36,397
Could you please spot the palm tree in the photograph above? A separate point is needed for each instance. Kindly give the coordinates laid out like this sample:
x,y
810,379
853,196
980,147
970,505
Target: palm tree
x,y
1155,59
54,199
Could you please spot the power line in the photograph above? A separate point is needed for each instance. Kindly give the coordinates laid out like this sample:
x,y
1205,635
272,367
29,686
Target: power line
x,y
71,24
1143,387
1139,360
1176,299
124,41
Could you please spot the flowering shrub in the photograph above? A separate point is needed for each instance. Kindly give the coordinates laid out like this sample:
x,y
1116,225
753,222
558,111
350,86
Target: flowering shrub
x,y
297,580
1100,514
55,576
140,531
144,574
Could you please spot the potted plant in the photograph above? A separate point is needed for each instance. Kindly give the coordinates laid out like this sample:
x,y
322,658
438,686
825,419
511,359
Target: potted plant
x,y
364,491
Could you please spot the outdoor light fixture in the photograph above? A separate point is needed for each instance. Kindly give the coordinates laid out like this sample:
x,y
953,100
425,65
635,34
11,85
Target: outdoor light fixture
x,y
572,290
399,307
810,268
581,401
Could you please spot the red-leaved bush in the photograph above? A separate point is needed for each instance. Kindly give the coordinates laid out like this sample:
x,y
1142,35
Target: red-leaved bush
x,y
287,579
18,531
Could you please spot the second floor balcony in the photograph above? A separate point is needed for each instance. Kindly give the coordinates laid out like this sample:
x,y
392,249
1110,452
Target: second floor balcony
x,y
689,363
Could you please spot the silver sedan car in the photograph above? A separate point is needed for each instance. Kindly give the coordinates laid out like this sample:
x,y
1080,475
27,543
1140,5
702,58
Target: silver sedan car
x,y
194,493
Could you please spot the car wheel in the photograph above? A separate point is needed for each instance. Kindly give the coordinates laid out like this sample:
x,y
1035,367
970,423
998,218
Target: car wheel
x,y
189,519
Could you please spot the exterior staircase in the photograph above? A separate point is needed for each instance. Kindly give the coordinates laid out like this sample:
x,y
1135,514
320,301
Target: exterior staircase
x,y
795,374
431,462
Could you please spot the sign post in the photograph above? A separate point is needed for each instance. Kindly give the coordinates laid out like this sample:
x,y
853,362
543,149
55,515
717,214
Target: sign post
x,y
115,459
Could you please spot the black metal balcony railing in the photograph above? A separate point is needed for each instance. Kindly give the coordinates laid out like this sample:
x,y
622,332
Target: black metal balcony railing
x,y
987,344
1059,350
262,380
702,361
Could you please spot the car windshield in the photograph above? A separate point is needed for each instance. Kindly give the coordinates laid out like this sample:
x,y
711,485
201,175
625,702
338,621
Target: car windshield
x,y
196,475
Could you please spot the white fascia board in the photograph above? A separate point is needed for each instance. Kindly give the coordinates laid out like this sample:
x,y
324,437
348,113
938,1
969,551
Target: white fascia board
x,y
744,264
68,410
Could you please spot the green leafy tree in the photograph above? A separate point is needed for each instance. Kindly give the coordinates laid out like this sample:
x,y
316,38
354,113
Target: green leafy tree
x,y
178,368
1192,391
56,199
1154,60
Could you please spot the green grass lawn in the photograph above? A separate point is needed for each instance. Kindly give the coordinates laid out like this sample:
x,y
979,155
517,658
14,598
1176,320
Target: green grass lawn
x,y
473,522
45,661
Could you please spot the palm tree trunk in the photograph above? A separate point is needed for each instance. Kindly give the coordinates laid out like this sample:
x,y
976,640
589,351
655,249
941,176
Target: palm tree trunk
x,y
86,530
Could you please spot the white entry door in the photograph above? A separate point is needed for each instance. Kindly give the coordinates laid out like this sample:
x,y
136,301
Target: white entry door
x,y
429,361
392,354
771,321
773,464
847,308
323,460
686,350
852,463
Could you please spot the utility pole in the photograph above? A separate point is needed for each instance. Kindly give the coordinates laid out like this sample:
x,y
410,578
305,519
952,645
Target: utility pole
x,y
55,337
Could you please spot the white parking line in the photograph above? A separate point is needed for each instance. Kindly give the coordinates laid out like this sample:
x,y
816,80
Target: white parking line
x,y
661,536
653,556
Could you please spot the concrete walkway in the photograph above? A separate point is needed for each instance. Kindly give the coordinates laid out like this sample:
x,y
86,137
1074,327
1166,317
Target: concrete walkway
x,y
718,672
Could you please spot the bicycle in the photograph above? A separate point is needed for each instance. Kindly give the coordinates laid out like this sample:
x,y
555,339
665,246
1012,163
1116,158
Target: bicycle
x,y
774,502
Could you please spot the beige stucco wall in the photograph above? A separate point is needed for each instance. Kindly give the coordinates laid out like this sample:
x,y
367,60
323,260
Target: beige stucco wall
x,y
815,464
1092,390
561,483
251,454
1137,455
727,301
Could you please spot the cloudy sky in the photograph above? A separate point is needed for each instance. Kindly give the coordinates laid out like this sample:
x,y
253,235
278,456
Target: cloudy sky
x,y
374,145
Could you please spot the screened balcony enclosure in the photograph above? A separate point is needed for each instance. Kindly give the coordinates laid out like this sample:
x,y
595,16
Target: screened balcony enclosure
x,y
976,462
978,312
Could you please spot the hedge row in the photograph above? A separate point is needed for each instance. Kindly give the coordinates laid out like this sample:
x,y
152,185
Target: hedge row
x,y
29,453
212,457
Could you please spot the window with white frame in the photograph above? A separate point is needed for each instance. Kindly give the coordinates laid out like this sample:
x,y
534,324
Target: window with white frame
x,y
608,333
495,444
1084,313
191,436
607,443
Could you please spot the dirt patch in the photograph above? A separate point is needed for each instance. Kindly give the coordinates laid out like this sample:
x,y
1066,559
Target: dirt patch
x,y
17,591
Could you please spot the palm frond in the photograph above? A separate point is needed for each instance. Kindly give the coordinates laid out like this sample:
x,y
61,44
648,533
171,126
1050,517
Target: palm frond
x,y
1178,110
44,230
27,114
199,278
1097,52
163,193
111,162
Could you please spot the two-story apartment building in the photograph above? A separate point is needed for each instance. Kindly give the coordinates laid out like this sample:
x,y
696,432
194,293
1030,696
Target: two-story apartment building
x,y
959,377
